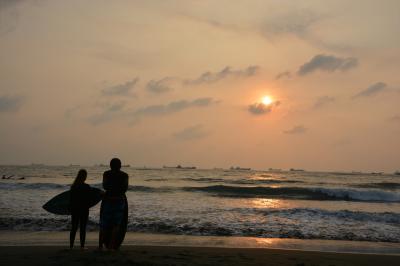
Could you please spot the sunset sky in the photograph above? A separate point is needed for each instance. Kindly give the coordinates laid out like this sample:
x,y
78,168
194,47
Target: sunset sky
x,y
183,82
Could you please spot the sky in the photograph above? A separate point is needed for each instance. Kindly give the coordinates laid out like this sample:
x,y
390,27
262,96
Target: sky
x,y
167,82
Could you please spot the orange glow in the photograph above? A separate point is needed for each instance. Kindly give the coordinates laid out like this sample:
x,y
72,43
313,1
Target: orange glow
x,y
267,100
266,203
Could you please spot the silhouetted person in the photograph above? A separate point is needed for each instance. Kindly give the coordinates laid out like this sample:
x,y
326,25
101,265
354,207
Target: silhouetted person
x,y
114,206
79,205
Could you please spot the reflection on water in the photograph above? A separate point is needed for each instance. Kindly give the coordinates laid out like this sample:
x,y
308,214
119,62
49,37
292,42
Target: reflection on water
x,y
267,203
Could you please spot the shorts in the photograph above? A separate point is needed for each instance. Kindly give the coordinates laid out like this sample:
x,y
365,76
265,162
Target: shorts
x,y
112,213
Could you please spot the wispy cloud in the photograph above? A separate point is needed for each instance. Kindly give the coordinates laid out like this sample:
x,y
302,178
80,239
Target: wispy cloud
x,y
9,15
300,129
191,133
371,90
124,89
285,74
159,86
322,101
227,72
109,112
261,109
10,103
327,63
296,22
172,107
395,119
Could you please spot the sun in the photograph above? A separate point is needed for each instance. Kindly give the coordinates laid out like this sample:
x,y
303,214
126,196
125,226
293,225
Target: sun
x,y
267,100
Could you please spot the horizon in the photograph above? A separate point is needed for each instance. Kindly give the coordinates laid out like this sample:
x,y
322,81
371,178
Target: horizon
x,y
263,84
230,168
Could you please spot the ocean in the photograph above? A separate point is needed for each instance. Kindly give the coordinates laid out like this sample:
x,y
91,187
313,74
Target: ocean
x,y
217,202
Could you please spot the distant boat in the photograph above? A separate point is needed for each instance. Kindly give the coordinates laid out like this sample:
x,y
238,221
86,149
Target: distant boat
x,y
296,170
180,167
37,164
397,173
376,173
126,165
240,168
275,169
74,165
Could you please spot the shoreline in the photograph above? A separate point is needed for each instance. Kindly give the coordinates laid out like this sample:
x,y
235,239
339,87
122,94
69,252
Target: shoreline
x,y
60,239
173,255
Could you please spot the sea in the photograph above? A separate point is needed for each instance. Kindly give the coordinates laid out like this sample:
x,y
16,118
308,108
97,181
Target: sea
x,y
218,202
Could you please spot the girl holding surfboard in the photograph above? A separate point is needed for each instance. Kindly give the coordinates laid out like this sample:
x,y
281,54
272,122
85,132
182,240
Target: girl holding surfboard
x,y
79,206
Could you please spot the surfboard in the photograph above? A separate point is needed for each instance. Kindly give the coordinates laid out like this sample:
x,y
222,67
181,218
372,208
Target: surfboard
x,y
122,230
60,203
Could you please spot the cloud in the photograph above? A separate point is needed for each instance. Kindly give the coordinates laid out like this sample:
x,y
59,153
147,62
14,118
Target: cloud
x,y
327,63
121,89
9,15
227,72
296,22
300,129
10,103
191,133
172,107
261,109
118,111
371,90
395,119
109,112
159,86
285,74
322,101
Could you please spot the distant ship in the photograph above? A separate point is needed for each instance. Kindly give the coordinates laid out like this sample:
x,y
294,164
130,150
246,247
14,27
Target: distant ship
x,y
397,173
240,168
37,164
274,169
180,167
376,173
296,170
126,165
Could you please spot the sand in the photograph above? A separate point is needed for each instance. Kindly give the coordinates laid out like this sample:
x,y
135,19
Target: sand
x,y
169,255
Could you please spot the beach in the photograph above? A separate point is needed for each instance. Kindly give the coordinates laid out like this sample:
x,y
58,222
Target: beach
x,y
170,255
50,248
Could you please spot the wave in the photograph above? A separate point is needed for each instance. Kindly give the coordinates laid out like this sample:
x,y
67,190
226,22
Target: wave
x,y
380,185
310,193
13,186
244,181
150,189
304,193
301,223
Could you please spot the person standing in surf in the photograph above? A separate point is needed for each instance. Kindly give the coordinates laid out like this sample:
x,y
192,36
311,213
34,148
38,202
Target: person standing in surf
x,y
79,206
114,207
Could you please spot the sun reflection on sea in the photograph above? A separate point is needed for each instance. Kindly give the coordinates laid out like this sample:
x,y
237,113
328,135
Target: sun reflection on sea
x,y
266,203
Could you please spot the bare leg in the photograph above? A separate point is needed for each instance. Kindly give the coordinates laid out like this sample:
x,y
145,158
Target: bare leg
x,y
101,239
82,230
74,228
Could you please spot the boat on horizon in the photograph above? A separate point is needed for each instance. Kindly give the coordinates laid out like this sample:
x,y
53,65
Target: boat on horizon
x,y
180,167
240,168
296,170
275,169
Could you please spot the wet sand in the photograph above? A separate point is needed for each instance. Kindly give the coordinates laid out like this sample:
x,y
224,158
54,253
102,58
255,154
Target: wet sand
x,y
169,255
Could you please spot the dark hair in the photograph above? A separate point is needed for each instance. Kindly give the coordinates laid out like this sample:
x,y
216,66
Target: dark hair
x,y
115,164
80,178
